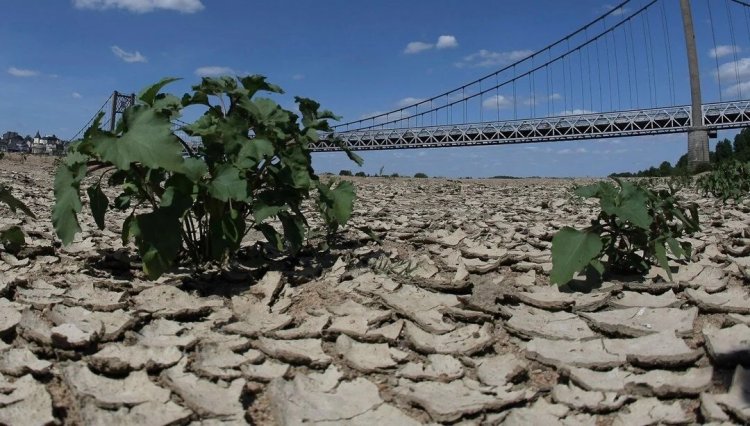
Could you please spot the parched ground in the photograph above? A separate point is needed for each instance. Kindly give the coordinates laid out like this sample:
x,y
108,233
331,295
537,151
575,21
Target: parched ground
x,y
451,320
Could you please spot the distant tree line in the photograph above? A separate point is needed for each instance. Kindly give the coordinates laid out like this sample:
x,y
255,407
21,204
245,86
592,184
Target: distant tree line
x,y
725,151
393,175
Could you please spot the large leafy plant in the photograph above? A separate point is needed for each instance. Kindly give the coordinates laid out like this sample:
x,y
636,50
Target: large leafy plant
x,y
636,228
12,237
252,165
730,180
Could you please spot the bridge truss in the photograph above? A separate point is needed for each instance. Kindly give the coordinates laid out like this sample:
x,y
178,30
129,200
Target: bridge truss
x,y
723,115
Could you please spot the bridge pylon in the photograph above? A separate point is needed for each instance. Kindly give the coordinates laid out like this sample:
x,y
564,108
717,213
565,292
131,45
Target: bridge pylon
x,y
698,132
120,102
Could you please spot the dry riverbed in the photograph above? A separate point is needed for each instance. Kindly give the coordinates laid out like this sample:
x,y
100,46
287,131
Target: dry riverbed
x,y
450,320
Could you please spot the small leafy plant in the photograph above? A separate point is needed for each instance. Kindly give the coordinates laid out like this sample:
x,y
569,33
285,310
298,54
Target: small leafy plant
x,y
635,228
252,165
730,180
12,238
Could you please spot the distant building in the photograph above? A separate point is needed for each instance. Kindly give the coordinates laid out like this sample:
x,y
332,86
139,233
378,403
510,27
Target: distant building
x,y
13,142
47,145
44,145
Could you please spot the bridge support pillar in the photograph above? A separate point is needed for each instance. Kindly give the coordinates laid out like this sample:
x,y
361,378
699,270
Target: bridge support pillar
x,y
697,147
697,134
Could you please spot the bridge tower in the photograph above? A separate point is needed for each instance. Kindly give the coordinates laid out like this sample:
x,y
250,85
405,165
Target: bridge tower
x,y
120,102
698,132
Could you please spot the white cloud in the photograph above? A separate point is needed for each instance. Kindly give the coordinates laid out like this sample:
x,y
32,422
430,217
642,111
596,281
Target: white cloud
x,y
723,50
535,148
555,97
577,112
737,89
76,95
19,72
729,70
572,151
615,12
298,77
497,101
213,71
142,6
408,101
130,57
446,42
487,58
443,42
417,46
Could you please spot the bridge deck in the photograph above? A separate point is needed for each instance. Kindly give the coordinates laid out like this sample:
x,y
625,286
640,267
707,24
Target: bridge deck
x,y
724,115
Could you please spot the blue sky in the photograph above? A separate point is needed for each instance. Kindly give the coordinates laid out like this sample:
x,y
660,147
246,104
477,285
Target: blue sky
x,y
60,59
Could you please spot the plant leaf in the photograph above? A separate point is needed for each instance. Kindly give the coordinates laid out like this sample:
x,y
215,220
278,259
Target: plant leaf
x,y
271,235
12,239
159,240
572,250
98,203
227,184
675,247
262,211
148,95
631,205
661,256
13,203
147,139
67,197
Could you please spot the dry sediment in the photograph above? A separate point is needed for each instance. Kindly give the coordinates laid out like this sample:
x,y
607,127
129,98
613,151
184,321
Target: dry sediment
x,y
451,319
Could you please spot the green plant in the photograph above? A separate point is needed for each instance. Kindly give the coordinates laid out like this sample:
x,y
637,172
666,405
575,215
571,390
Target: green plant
x,y
345,173
360,174
420,175
730,179
12,238
634,229
253,164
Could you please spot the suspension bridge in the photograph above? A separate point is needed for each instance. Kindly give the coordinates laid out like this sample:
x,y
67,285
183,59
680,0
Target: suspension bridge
x,y
635,70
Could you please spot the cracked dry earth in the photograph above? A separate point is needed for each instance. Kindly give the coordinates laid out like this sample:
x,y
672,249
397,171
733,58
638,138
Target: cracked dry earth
x,y
450,321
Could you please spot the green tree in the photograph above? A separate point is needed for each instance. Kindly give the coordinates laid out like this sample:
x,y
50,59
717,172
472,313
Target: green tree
x,y
345,173
723,151
360,174
420,175
665,168
742,145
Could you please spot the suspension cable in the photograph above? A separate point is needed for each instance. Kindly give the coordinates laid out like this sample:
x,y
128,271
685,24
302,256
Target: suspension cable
x,y
599,74
610,12
635,63
716,57
516,77
627,58
552,86
588,65
650,63
734,48
91,120
670,60
617,70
